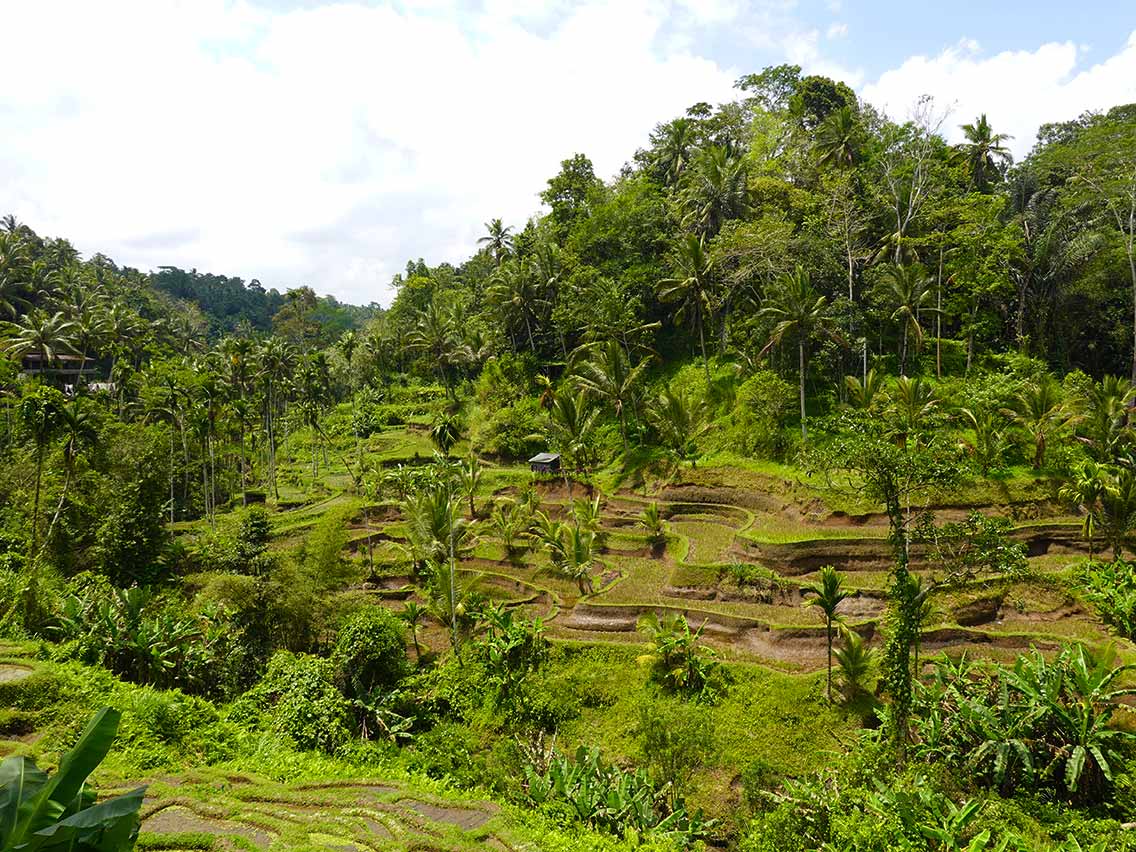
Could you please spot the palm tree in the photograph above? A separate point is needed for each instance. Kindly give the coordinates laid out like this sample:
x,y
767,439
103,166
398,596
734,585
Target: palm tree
x,y
276,360
436,334
1084,490
469,477
13,272
985,153
572,550
838,139
513,293
446,431
1104,417
79,430
1117,516
827,594
855,660
862,395
679,422
673,145
1055,246
716,190
1040,411
912,294
608,376
497,239
914,400
413,613
45,335
691,287
989,436
800,311
571,425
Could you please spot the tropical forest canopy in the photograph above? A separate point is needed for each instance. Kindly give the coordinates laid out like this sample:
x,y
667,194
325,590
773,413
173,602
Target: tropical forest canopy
x,y
832,552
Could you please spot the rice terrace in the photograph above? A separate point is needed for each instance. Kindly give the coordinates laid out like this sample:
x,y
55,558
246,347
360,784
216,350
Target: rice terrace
x,y
763,479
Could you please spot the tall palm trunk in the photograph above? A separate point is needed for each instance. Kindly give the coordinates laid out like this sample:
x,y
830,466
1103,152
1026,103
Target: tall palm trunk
x,y
702,344
35,505
58,507
828,636
173,453
801,386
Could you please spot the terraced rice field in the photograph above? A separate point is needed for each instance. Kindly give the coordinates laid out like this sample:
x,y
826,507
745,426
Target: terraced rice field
x,y
785,540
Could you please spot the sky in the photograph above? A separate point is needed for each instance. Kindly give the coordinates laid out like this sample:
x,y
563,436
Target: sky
x,y
301,142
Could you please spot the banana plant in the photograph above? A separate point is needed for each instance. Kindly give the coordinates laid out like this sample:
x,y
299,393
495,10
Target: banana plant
x,y
39,813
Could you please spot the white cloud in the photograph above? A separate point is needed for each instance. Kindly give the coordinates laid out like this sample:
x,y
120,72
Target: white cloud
x,y
836,30
1018,90
329,144
323,145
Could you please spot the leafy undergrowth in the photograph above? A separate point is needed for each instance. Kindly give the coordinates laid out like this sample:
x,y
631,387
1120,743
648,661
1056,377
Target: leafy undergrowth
x,y
213,784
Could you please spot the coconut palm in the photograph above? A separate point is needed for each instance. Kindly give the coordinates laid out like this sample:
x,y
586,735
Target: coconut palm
x,y
715,190
1040,411
911,293
1117,517
413,613
469,478
985,152
275,361
1083,490
608,376
691,288
1056,245
801,312
498,239
45,335
435,528
571,425
77,425
1103,420
827,594
514,294
913,402
856,660
13,272
573,551
838,139
862,395
989,436
679,422
674,143
437,335
40,412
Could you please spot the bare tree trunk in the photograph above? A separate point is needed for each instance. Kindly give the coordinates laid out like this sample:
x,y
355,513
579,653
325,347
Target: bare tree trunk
x,y
801,387
939,321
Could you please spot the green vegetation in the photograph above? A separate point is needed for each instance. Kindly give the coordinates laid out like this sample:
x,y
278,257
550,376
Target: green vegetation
x,y
838,415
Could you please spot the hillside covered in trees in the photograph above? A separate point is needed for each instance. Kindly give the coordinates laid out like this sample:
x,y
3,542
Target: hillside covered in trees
x,y
831,552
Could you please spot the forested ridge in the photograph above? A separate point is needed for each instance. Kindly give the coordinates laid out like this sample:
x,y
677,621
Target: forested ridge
x,y
831,552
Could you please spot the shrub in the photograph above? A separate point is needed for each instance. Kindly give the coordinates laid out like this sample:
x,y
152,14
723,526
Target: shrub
x,y
252,538
679,663
675,739
370,653
760,408
512,432
368,416
298,697
504,381
322,555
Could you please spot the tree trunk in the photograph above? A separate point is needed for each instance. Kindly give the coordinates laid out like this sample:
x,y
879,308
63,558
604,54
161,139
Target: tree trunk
x,y
828,633
702,344
939,321
35,505
801,387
